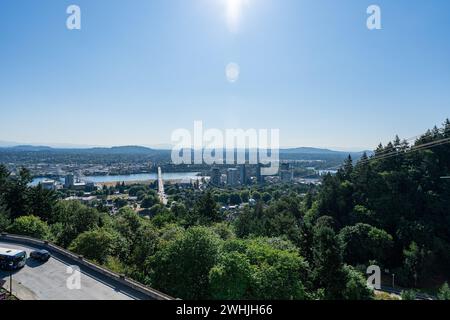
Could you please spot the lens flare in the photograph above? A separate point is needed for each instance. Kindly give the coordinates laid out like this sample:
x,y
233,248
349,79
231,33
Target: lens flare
x,y
232,72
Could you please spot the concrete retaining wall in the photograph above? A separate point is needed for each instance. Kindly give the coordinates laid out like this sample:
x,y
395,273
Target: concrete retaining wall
x,y
149,292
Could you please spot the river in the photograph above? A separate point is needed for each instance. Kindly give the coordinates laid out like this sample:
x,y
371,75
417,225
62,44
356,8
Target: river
x,y
168,176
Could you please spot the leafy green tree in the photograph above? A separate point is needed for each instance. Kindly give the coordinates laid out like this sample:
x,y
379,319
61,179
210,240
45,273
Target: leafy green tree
x,y
30,226
245,196
134,190
94,245
222,197
231,278
182,268
356,285
149,201
249,222
206,210
266,197
120,202
163,217
276,269
75,218
361,214
417,263
444,292
282,279
408,295
235,198
336,199
179,210
128,223
224,230
141,195
256,195
144,245
363,243
157,209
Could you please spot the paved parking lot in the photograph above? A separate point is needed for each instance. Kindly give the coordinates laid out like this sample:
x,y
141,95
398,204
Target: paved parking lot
x,y
48,281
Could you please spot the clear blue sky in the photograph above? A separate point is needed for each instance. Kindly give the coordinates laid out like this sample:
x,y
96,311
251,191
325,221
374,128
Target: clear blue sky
x,y
137,70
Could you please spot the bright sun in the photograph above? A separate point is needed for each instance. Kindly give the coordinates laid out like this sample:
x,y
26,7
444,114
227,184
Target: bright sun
x,y
233,13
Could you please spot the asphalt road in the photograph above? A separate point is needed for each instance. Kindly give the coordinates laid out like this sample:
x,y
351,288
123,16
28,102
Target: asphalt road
x,y
48,281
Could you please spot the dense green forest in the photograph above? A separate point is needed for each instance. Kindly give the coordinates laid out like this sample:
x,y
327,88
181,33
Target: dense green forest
x,y
391,210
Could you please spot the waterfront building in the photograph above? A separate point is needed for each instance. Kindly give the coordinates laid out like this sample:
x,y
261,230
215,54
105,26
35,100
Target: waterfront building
x,y
69,181
48,184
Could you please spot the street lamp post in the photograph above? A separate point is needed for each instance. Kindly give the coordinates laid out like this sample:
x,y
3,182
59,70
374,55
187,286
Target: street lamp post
x,y
10,283
393,281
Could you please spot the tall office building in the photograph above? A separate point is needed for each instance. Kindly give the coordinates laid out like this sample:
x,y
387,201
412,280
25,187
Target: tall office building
x,y
243,175
69,181
259,176
232,177
215,177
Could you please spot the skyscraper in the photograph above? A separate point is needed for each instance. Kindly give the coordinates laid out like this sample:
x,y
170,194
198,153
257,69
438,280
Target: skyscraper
x,y
215,177
232,177
69,181
243,175
259,176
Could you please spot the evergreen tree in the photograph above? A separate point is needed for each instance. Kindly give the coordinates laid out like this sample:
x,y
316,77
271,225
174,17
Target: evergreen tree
x,y
206,210
328,270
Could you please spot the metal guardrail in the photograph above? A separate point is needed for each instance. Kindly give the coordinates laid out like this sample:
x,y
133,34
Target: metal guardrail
x,y
151,293
419,296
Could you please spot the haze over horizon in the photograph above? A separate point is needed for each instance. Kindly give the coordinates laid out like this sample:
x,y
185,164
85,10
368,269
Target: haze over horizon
x,y
162,146
134,73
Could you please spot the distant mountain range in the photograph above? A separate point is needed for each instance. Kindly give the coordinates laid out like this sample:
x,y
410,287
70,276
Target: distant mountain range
x,y
145,150
310,150
99,150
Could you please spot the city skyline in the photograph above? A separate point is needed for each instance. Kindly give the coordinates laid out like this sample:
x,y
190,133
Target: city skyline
x,y
134,73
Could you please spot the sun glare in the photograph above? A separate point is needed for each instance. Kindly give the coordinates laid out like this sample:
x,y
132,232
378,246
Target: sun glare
x,y
233,13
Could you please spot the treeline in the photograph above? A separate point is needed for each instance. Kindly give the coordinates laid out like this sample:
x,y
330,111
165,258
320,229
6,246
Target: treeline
x,y
394,209
390,210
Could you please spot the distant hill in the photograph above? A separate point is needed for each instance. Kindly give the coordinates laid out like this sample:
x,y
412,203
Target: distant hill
x,y
309,150
287,154
28,148
113,150
123,150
